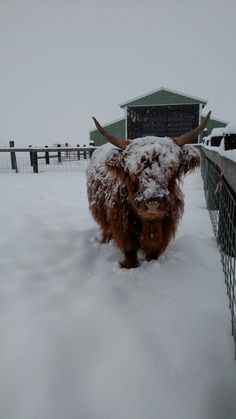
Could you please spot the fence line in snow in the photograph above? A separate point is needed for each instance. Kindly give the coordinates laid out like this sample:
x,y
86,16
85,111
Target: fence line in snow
x,y
219,180
36,159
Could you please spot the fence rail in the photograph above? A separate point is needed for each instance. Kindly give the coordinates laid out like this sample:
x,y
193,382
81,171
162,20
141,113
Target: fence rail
x,y
218,175
36,159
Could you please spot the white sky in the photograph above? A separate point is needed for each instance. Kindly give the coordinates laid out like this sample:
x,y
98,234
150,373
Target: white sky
x,y
64,61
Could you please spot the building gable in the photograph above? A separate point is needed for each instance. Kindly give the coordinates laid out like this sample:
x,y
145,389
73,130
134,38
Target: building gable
x,y
160,97
163,96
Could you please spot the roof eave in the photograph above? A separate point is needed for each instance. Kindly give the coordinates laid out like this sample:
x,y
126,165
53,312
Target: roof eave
x,y
200,100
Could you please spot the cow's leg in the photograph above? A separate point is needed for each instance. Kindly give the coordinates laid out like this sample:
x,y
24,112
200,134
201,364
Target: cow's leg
x,y
130,260
124,233
129,247
153,255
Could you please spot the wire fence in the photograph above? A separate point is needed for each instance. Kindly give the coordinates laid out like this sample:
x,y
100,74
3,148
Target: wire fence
x,y
221,204
44,159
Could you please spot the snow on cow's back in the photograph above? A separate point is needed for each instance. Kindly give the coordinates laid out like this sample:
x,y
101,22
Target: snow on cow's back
x,y
97,165
99,156
100,178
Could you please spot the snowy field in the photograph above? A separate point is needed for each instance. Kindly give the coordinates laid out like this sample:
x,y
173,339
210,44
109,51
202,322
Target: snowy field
x,y
82,338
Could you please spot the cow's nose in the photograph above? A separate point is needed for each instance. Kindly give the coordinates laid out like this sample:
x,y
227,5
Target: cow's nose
x,y
152,205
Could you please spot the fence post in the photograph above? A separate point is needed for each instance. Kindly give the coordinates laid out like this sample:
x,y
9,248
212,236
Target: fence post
x,y
78,152
31,161
67,153
91,144
47,158
34,155
59,154
13,157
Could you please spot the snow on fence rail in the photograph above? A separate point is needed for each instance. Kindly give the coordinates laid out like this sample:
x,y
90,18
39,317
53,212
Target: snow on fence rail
x,y
38,159
218,173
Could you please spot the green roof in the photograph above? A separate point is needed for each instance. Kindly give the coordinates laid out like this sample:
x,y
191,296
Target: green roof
x,y
163,96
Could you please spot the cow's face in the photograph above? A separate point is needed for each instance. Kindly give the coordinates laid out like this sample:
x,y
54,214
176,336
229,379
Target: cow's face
x,y
151,166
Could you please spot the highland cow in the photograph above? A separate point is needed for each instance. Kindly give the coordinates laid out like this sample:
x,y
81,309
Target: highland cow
x,y
134,193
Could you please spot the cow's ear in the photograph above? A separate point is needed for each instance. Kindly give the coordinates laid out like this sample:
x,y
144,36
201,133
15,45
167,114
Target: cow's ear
x,y
190,159
115,161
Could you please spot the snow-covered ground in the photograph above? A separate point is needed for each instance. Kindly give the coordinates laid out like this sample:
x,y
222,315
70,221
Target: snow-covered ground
x,y
82,338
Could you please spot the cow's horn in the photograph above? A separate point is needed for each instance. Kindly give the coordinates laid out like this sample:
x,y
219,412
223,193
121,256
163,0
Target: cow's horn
x,y
189,136
118,142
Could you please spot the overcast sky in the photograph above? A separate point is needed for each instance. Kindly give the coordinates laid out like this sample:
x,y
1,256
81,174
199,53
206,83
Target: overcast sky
x,y
63,61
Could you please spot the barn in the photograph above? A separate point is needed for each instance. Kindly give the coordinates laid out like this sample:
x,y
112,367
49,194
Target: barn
x,y
161,113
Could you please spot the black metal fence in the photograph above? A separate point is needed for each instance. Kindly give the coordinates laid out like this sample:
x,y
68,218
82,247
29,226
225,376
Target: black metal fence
x,y
221,203
40,159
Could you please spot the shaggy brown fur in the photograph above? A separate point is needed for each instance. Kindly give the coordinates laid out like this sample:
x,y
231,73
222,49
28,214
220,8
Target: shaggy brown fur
x,y
134,194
